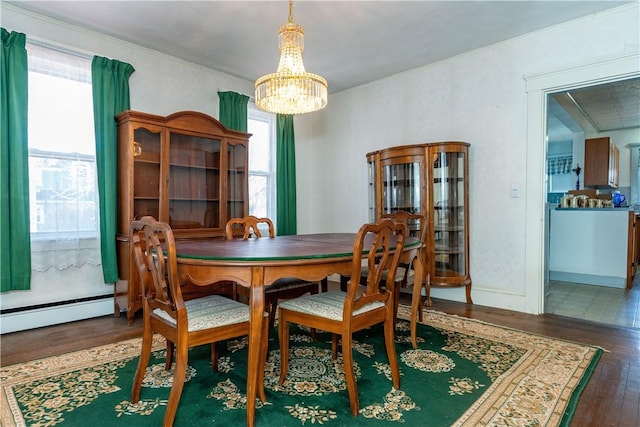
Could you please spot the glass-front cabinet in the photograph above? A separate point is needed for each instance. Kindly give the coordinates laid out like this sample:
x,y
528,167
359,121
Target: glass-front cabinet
x,y
431,179
185,169
448,182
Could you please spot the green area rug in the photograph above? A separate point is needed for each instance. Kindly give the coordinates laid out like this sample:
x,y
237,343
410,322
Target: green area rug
x,y
465,373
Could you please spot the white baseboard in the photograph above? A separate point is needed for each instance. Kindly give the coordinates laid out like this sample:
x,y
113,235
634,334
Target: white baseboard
x,y
589,279
30,319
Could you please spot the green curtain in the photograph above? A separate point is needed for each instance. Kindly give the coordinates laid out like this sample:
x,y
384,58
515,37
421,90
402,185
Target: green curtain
x,y
15,238
233,110
110,82
286,218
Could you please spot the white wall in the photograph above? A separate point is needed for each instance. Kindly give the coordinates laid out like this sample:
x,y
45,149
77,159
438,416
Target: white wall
x,y
478,97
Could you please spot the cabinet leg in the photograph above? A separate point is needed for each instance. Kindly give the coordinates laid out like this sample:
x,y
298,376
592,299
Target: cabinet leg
x,y
469,301
427,295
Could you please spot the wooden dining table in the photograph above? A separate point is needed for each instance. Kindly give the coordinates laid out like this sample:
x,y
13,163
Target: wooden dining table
x,y
256,263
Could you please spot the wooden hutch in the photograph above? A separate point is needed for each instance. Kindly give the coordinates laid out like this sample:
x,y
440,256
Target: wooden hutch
x,y
185,169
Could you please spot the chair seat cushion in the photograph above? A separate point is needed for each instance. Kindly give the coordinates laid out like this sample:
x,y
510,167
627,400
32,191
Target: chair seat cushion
x,y
211,311
329,305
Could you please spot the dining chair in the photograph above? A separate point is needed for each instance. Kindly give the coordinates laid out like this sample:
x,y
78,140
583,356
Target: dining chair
x,y
416,225
282,289
343,313
184,324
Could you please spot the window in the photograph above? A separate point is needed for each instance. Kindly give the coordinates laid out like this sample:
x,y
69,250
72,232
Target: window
x,y
262,183
64,212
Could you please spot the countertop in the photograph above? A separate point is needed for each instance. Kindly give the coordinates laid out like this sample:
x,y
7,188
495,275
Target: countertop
x,y
620,209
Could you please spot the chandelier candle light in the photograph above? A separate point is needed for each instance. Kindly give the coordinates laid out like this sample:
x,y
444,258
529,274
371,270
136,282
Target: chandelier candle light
x,y
291,90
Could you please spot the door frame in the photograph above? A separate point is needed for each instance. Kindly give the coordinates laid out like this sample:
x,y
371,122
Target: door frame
x,y
538,87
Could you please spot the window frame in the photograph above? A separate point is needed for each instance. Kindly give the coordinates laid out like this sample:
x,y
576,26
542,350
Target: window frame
x,y
253,113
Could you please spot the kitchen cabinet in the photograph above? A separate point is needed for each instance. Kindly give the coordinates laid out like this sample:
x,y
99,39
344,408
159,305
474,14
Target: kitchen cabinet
x,y
633,250
593,246
431,179
601,163
185,169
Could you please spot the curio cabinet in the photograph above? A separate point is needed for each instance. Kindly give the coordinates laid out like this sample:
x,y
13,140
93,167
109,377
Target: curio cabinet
x,y
431,179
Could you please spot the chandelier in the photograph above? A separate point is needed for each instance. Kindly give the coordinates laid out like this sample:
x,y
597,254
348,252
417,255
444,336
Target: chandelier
x,y
291,90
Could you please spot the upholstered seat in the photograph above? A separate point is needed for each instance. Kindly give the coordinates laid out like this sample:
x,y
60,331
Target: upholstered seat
x,y
212,311
327,304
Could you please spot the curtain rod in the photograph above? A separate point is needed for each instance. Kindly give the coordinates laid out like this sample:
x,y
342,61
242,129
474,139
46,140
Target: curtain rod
x,y
69,51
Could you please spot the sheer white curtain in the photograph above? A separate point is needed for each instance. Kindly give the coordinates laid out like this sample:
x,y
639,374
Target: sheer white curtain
x,y
62,171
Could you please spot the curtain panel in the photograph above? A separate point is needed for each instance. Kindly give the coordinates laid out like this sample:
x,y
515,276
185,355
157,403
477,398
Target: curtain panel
x,y
15,246
233,110
559,165
110,83
286,217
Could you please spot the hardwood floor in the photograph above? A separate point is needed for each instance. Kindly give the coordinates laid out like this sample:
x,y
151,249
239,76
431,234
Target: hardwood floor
x,y
612,397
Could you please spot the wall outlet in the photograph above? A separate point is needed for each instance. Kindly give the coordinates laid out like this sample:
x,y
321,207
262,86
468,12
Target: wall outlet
x,y
515,192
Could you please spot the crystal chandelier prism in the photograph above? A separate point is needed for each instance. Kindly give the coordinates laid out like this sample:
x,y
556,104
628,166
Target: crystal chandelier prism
x,y
291,90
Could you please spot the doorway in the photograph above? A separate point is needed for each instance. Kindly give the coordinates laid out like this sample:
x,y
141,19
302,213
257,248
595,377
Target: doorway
x,y
538,86
568,122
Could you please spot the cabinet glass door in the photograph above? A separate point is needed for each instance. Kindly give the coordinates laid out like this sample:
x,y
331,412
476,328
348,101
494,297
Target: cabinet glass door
x,y
401,187
236,180
194,182
146,169
449,213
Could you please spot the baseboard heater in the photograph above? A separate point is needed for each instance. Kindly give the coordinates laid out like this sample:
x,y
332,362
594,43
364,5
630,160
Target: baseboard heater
x,y
53,313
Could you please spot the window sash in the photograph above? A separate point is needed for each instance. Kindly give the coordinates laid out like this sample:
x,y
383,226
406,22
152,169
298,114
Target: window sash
x,y
262,127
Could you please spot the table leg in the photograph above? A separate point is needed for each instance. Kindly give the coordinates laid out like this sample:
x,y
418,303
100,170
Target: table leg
x,y
419,274
256,302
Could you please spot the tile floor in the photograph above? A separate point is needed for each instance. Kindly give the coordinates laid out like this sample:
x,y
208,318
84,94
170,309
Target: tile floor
x,y
596,303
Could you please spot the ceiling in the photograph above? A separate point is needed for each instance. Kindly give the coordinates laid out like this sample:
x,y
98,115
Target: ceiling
x,y
600,108
349,43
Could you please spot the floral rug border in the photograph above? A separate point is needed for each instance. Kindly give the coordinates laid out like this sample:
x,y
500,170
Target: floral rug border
x,y
545,384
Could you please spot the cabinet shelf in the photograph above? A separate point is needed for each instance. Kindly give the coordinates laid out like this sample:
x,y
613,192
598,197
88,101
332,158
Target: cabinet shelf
x,y
148,161
194,167
449,250
449,228
448,180
193,199
449,207
430,179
